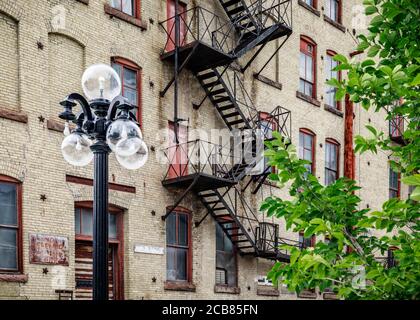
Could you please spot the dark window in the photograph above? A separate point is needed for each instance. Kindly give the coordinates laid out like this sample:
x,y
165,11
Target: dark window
x,y
178,248
84,223
307,67
10,225
333,10
394,184
307,148
330,91
390,259
226,269
332,152
130,7
130,75
267,126
306,242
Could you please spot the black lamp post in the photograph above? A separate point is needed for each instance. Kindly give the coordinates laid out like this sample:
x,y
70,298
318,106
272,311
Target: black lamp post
x,y
104,124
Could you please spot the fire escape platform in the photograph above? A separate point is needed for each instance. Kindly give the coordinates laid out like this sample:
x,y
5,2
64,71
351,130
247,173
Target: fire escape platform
x,y
198,56
202,181
279,30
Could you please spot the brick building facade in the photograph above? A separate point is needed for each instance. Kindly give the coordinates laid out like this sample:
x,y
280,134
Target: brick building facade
x,y
45,47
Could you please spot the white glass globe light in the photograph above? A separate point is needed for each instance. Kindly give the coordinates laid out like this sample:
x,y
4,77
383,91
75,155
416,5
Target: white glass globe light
x,y
101,81
76,149
124,137
136,160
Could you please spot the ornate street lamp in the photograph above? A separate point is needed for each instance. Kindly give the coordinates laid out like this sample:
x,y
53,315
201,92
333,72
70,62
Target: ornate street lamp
x,y
105,124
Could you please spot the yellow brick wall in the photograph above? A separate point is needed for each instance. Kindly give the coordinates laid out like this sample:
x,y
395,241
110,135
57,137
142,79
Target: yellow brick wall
x,y
37,78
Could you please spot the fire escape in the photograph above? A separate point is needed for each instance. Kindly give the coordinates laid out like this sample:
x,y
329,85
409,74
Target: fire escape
x,y
209,47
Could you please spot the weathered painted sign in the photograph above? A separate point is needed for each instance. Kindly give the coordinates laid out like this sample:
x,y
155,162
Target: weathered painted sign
x,y
45,249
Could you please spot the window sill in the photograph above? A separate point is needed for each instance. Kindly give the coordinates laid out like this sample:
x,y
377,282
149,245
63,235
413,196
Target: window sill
x,y
13,115
19,278
86,2
226,289
125,17
57,126
307,294
268,81
335,23
330,296
333,110
307,98
308,7
269,292
179,286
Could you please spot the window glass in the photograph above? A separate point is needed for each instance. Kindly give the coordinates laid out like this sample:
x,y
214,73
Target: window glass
x,y
183,230
226,270
8,204
127,7
87,222
8,249
77,221
181,258
171,229
112,226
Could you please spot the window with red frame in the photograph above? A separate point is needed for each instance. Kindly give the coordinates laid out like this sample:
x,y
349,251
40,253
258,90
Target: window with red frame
x,y
267,126
130,7
306,242
332,153
10,225
312,3
330,91
130,75
307,148
226,268
333,10
307,67
178,247
394,184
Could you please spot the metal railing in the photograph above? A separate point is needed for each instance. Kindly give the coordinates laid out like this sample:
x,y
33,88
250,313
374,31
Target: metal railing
x,y
200,24
280,119
397,126
198,156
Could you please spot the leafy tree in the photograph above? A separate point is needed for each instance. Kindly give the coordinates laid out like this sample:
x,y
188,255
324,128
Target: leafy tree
x,y
348,262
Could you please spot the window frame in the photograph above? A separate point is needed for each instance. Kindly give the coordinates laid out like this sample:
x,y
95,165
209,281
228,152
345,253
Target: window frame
x,y
265,117
337,171
136,9
392,188
234,253
181,211
119,242
125,63
331,54
19,234
304,42
309,132
339,11
313,5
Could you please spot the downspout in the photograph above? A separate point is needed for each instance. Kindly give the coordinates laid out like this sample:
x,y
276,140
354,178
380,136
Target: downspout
x,y
176,58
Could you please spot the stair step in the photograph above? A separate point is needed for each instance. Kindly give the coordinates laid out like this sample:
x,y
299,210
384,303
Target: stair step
x,y
236,10
236,122
230,106
230,115
220,100
211,84
206,75
218,209
225,221
230,3
211,202
208,195
218,91
240,241
223,216
245,247
230,229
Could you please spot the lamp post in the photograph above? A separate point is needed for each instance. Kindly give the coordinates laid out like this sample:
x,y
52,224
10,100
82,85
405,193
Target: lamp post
x,y
104,124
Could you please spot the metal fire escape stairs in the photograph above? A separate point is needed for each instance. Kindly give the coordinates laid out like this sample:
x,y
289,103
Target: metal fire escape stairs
x,y
248,24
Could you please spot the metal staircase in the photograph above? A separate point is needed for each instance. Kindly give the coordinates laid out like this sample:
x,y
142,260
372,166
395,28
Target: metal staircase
x,y
209,55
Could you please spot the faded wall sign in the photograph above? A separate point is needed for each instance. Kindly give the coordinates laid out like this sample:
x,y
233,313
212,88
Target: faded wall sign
x,y
44,249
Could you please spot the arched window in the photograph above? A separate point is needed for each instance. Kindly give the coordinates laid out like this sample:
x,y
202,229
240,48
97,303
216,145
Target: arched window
x,y
307,67
10,225
332,158
130,74
307,140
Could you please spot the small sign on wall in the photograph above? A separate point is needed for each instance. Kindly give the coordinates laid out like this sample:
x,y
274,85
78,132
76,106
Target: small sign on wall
x,y
44,249
140,248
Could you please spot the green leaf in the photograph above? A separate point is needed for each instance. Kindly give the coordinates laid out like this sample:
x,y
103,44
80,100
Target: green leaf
x,y
370,10
412,180
416,80
373,51
340,58
372,129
